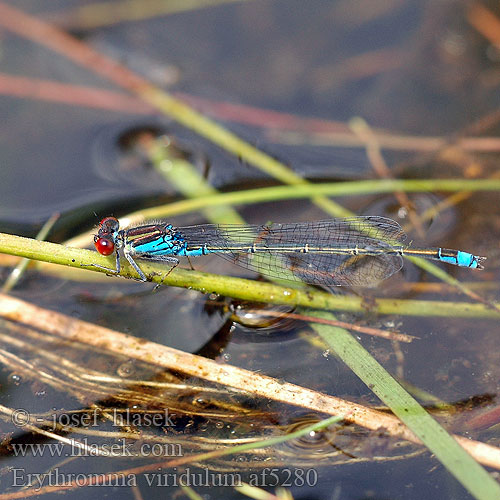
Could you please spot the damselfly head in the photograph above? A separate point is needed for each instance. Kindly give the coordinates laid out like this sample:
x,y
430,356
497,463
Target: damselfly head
x,y
108,225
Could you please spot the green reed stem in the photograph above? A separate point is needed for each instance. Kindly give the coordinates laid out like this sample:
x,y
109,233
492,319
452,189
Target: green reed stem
x,y
277,193
237,287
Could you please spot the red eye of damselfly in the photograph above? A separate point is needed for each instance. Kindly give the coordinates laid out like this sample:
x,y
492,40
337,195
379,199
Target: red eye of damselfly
x,y
104,246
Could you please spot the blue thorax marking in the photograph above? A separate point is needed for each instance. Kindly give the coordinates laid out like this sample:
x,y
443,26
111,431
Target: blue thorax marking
x,y
167,242
158,242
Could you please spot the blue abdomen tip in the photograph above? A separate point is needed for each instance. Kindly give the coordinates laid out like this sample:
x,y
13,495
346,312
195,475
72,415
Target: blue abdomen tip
x,y
466,259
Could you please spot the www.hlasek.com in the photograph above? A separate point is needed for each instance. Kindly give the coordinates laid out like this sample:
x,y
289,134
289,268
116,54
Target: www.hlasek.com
x,y
267,477
82,448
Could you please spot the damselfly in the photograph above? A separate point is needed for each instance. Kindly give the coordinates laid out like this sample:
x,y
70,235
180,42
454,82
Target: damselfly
x,y
357,251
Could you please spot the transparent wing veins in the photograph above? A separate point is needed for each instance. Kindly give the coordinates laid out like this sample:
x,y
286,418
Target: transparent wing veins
x,y
321,252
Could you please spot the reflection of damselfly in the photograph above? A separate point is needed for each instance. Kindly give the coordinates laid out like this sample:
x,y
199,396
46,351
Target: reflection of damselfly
x,y
357,251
